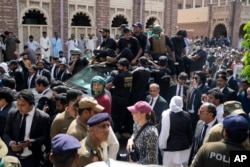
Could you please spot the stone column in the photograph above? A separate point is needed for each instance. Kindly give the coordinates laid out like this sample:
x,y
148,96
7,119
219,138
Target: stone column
x,y
9,16
138,11
102,14
184,4
56,19
170,17
236,23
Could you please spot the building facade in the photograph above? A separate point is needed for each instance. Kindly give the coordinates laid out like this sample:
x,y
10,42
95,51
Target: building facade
x,y
213,18
32,17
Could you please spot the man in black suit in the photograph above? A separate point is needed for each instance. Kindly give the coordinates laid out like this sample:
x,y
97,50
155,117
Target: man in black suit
x,y
207,114
32,77
179,89
195,92
231,81
26,130
63,73
156,101
6,99
17,73
41,71
54,68
45,103
218,66
228,93
10,82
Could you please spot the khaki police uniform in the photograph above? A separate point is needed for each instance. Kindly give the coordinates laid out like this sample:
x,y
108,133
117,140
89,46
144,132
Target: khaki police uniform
x,y
215,134
78,129
215,154
61,123
89,153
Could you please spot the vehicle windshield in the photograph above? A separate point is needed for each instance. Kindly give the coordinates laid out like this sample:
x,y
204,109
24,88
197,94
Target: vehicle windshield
x,y
82,79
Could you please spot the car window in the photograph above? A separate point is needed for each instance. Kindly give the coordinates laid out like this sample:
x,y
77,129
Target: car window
x,y
82,79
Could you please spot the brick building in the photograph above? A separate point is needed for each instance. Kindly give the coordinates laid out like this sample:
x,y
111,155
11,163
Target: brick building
x,y
209,18
32,17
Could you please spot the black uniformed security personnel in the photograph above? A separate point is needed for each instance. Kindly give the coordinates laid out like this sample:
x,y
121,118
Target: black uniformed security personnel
x,y
120,94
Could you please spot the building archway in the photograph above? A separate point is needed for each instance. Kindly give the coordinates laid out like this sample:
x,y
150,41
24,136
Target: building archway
x,y
33,21
80,19
151,22
34,17
220,30
241,31
118,21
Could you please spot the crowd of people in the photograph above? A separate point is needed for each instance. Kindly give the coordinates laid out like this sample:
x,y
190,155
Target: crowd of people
x,y
170,100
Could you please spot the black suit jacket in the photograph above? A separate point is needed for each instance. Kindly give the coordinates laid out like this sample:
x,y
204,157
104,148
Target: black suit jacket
x,y
46,99
197,143
204,89
229,94
211,83
194,102
46,73
3,117
39,131
160,105
32,83
172,92
63,75
232,83
19,77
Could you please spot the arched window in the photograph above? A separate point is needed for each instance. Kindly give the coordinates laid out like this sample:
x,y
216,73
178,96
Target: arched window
x,y
34,17
118,21
81,19
151,21
220,30
241,31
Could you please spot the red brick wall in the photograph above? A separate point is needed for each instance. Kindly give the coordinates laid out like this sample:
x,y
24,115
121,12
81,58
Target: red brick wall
x,y
56,19
102,14
136,11
8,16
170,17
237,25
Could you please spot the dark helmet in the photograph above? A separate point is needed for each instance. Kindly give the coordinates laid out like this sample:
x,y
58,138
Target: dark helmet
x,y
157,29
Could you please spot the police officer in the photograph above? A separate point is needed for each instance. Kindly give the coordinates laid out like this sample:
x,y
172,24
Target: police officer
x,y
64,151
235,131
94,146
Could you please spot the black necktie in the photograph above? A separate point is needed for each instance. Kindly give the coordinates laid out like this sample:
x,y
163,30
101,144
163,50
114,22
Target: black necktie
x,y
191,100
203,132
152,101
22,127
179,92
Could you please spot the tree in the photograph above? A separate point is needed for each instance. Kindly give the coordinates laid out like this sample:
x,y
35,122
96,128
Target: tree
x,y
246,59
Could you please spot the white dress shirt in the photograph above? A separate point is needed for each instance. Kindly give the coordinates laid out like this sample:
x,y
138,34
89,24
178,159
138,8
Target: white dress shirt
x,y
29,120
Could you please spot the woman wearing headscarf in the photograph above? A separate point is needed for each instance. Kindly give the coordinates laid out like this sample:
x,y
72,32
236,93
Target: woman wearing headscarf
x,y
176,134
143,145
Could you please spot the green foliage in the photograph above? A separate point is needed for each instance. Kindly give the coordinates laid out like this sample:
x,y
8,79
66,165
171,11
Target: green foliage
x,y
246,44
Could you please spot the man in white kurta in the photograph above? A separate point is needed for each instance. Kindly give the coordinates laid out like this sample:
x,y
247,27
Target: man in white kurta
x,y
72,43
45,46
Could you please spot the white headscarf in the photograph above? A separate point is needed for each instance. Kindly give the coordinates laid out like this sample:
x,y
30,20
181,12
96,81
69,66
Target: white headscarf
x,y
175,106
4,66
